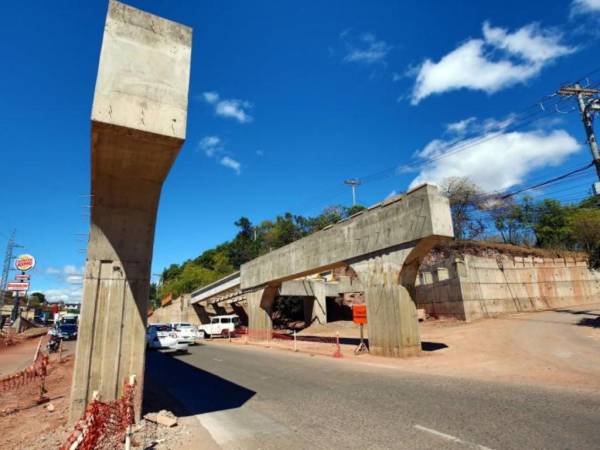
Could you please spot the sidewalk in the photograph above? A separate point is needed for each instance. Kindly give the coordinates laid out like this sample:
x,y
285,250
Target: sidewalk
x,y
19,356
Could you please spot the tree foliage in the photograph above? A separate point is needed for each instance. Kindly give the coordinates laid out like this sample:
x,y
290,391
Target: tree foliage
x,y
249,242
466,200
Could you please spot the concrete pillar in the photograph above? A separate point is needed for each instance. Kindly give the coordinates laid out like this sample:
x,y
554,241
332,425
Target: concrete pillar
x,y
388,281
315,308
138,126
260,304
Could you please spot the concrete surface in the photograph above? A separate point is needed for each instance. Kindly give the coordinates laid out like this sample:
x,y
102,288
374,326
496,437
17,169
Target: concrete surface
x,y
138,127
384,245
407,218
249,397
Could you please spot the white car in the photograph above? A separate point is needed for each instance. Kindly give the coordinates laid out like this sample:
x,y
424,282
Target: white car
x,y
164,336
220,326
186,332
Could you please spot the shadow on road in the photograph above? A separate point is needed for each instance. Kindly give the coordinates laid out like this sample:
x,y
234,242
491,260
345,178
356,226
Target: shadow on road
x,y
589,322
593,321
171,383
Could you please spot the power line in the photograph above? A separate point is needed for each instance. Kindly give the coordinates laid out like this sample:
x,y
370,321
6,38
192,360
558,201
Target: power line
x,y
547,182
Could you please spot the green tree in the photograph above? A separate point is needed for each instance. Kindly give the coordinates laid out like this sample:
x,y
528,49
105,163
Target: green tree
x,y
585,232
466,201
551,224
513,221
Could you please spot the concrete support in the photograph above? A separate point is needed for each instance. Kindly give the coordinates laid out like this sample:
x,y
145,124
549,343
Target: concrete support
x,y
388,281
260,304
138,126
315,308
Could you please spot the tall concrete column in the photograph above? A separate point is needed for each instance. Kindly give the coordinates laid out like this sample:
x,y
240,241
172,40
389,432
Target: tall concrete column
x,y
260,305
388,281
138,126
315,308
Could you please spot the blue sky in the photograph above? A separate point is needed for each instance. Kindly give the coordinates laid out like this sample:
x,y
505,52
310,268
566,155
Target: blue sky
x,y
288,99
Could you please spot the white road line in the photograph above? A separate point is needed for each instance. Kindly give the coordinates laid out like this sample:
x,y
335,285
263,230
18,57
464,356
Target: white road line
x,y
217,360
449,437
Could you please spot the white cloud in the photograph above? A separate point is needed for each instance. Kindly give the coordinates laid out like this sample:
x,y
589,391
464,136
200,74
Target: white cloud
x,y
461,126
260,153
213,148
210,145
211,97
52,271
75,279
364,48
232,164
67,295
230,108
499,60
584,7
70,269
498,163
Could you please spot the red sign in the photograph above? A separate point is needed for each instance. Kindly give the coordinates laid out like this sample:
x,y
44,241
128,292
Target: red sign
x,y
24,262
22,277
17,286
359,314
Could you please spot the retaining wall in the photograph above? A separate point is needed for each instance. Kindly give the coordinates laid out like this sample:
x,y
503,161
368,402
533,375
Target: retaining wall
x,y
470,287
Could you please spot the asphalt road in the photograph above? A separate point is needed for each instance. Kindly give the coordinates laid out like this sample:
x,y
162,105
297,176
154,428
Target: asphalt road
x,y
254,398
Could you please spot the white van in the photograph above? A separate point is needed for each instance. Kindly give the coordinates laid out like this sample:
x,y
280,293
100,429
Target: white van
x,y
219,326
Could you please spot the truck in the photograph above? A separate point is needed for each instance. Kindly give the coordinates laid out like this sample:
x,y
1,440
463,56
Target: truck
x,y
223,326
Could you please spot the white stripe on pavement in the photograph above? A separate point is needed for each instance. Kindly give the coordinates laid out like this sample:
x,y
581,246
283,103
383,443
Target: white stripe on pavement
x,y
449,437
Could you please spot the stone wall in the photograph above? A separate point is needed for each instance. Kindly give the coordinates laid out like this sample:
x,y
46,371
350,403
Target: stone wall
x,y
470,287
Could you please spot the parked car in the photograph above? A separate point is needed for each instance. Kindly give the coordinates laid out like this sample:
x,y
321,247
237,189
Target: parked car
x,y
67,331
220,326
165,337
186,332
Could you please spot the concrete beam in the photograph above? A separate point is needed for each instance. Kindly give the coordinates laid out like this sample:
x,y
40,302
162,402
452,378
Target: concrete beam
x,y
138,126
419,214
385,246
228,283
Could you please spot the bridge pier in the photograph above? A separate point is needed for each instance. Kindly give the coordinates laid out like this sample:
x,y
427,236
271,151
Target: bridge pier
x,y
138,126
388,281
315,308
260,306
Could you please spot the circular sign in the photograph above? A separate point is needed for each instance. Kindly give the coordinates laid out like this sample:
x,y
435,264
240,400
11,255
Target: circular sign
x,y
24,262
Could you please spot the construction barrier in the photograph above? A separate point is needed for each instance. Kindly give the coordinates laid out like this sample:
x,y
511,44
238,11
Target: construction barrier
x,y
105,425
36,371
293,341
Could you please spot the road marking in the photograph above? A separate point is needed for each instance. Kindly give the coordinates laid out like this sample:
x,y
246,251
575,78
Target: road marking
x,y
217,360
449,437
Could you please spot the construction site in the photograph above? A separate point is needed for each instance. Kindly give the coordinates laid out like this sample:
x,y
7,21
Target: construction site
x,y
459,310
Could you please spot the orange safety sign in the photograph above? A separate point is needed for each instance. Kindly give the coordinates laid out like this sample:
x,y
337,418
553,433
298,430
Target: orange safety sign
x,y
359,314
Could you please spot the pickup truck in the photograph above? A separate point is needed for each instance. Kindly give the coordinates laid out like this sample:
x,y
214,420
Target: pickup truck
x,y
219,326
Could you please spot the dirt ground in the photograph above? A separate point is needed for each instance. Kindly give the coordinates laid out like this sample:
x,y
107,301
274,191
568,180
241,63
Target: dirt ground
x,y
557,348
26,425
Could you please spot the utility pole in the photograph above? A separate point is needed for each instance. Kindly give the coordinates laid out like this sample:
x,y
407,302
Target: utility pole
x,y
589,104
8,257
353,182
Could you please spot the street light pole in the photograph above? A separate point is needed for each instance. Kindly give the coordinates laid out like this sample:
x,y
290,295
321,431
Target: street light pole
x,y
353,182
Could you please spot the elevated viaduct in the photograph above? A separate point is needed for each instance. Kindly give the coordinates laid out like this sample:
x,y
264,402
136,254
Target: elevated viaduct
x,y
225,296
384,245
